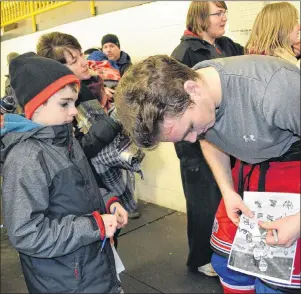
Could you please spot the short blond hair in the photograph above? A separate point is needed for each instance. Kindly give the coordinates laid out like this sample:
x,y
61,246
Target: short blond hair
x,y
197,20
272,28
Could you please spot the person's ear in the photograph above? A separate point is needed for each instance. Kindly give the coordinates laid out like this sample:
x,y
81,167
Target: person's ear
x,y
191,87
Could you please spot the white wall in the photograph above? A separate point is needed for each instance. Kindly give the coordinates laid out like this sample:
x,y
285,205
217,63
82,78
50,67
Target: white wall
x,y
146,30
143,30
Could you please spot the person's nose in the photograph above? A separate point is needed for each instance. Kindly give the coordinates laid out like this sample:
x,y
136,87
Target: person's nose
x,y
191,137
84,62
73,111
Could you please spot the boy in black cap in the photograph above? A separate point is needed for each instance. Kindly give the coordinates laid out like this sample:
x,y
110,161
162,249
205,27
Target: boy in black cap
x,y
54,213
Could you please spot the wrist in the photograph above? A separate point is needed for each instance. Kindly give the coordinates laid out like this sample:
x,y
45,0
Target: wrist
x,y
227,191
110,202
99,221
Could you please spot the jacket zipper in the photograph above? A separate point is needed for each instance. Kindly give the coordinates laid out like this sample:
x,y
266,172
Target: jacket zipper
x,y
71,156
76,272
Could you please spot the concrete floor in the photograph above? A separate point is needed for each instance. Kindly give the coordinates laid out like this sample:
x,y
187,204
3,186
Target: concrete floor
x,y
153,249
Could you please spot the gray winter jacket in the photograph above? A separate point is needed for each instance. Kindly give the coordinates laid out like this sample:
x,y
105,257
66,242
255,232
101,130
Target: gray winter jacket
x,y
49,193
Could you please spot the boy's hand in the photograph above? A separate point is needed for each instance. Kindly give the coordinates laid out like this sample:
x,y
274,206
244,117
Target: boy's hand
x,y
110,222
288,230
235,205
120,213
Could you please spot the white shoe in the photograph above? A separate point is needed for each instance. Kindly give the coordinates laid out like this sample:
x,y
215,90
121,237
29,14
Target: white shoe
x,y
207,270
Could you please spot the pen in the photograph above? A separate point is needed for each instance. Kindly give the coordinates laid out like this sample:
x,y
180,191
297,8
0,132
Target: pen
x,y
275,236
104,241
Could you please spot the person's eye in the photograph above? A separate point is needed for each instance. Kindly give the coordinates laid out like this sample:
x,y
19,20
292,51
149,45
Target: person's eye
x,y
64,105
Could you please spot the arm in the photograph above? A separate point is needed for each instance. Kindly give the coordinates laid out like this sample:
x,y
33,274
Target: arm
x,y
26,183
101,133
219,163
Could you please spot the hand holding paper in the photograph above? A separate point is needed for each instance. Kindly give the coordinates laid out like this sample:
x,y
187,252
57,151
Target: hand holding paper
x,y
288,229
235,205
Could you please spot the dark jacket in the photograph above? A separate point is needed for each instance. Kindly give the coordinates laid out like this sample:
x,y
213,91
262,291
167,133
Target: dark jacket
x,y
124,62
49,193
190,51
103,130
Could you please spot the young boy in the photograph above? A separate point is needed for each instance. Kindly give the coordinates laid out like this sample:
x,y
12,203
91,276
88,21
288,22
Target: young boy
x,y
54,213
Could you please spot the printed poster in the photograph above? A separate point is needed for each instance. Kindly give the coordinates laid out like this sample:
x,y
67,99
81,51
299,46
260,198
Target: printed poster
x,y
250,254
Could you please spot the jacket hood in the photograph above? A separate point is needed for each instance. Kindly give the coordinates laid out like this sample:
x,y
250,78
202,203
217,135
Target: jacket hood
x,y
124,58
16,129
198,43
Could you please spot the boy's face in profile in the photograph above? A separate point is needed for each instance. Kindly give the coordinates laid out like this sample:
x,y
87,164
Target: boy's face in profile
x,y
59,109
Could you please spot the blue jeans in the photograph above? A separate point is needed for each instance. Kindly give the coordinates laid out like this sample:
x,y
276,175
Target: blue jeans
x,y
262,288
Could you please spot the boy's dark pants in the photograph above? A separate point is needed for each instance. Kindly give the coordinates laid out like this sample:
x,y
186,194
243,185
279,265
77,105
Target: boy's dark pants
x,y
202,199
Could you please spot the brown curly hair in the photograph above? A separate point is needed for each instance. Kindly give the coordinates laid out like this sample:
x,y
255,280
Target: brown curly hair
x,y
150,91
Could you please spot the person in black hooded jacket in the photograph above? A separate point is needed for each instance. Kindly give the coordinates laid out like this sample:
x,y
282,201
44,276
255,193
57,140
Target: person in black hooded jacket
x,y
202,40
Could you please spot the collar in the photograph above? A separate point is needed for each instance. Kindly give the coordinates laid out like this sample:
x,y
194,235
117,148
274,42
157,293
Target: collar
x,y
196,42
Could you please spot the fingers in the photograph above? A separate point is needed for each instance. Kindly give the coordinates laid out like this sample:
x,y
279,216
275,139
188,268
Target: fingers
x,y
268,225
246,211
120,222
109,92
122,218
125,219
234,217
270,240
110,222
109,95
273,239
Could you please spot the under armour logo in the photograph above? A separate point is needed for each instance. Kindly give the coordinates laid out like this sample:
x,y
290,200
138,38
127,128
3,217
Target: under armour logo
x,y
250,138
